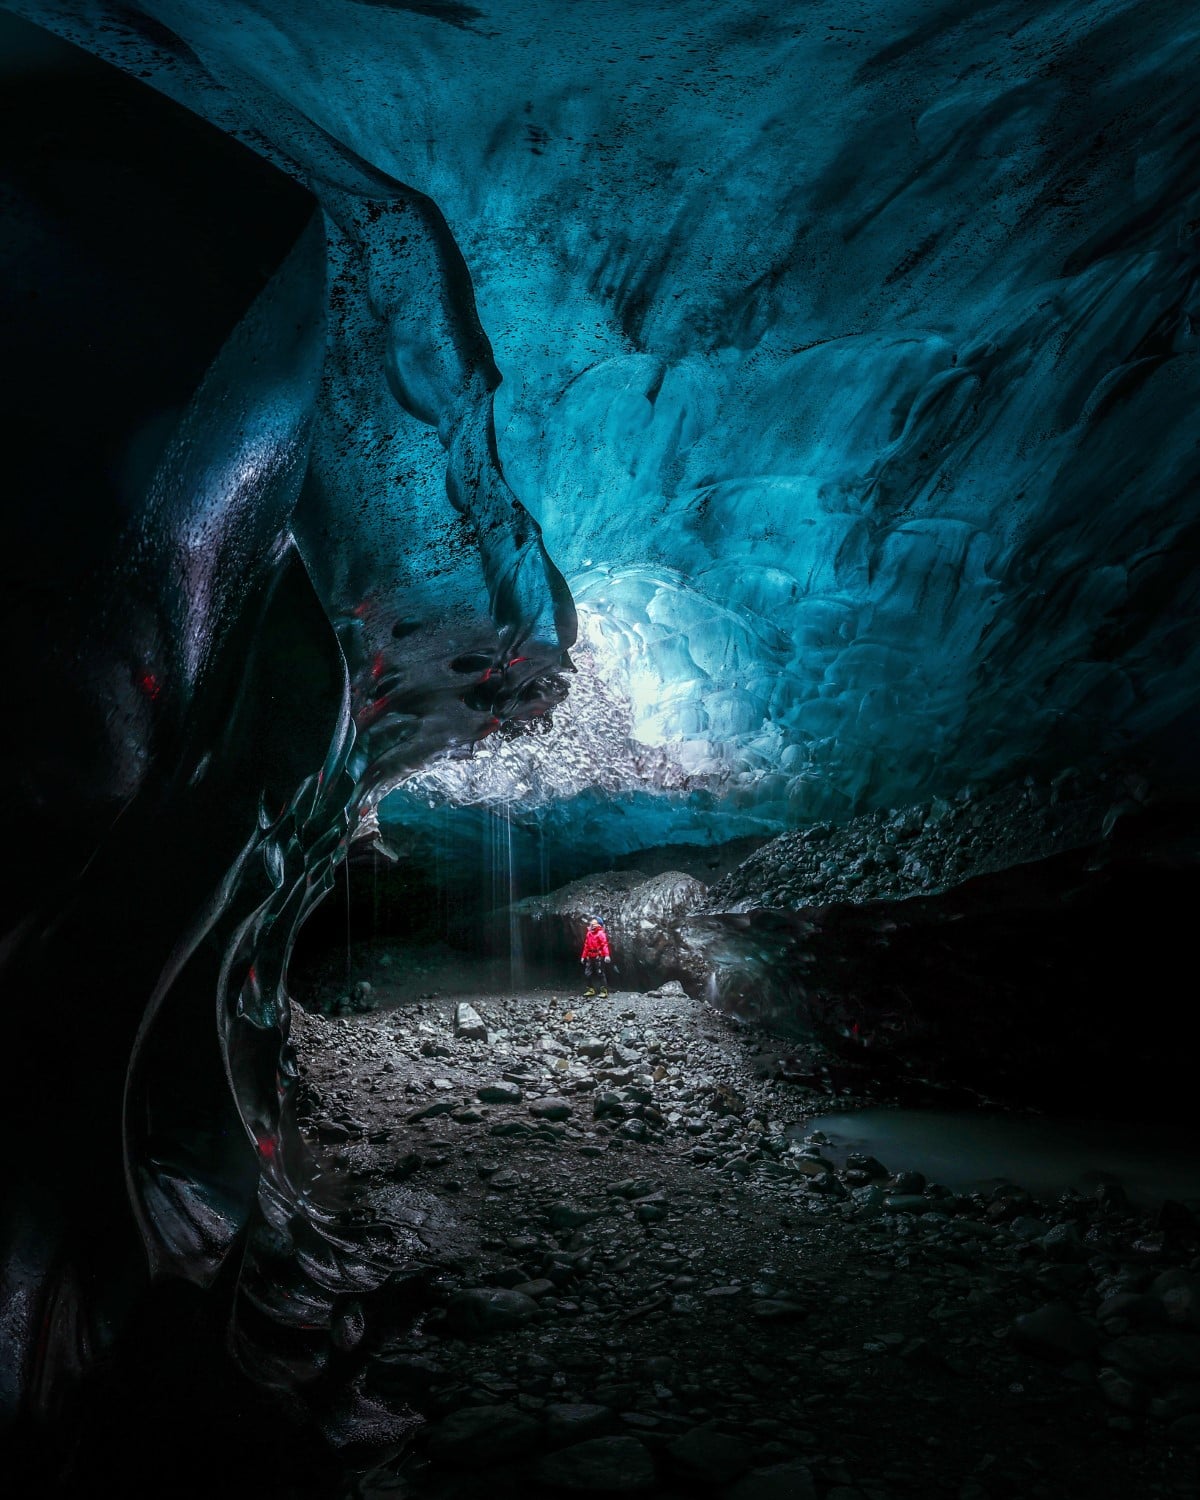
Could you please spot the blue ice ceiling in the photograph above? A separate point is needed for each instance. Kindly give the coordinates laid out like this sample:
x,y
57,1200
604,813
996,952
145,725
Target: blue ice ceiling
x,y
849,367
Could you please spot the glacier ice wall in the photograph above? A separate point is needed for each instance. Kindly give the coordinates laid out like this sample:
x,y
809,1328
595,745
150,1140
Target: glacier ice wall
x,y
209,734
872,447
849,367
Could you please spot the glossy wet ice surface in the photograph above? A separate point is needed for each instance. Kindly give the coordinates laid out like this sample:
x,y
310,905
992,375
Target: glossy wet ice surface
x,y
968,1151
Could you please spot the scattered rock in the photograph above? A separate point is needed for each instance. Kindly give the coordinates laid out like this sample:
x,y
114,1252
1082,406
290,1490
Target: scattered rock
x,y
540,1287
777,1310
1156,1357
551,1109
599,1466
432,1111
905,1203
595,1275
709,1456
1063,1244
480,1434
788,1481
499,1093
908,1183
469,1024
566,1216
1056,1331
573,1422
479,1311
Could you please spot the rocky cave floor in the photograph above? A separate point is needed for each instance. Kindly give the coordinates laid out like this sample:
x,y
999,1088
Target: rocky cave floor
x,y
649,1279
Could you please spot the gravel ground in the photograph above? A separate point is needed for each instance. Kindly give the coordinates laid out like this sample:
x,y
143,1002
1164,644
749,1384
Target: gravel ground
x,y
647,1279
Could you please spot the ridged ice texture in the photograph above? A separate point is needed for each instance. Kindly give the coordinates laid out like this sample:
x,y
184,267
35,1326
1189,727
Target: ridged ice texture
x,y
850,356
451,613
859,396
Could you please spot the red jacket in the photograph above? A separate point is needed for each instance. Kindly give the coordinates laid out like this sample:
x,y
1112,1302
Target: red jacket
x,y
595,944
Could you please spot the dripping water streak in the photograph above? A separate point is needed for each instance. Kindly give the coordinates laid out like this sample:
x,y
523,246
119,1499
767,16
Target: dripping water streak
x,y
346,863
516,955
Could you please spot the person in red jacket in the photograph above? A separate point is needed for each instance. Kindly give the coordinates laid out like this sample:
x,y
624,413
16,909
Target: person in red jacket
x,y
595,958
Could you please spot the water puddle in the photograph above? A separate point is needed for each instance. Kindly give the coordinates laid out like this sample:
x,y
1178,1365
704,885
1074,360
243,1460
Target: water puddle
x,y
973,1151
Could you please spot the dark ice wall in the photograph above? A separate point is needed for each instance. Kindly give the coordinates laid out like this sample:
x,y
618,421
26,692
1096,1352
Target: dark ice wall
x,y
190,774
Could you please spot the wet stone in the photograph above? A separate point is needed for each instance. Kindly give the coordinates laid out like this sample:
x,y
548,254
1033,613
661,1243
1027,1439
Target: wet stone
x,y
600,1466
1133,1307
431,1111
812,1164
1181,1303
559,1232
573,1422
479,1311
1063,1244
1156,1356
868,1202
1027,1229
551,1109
1055,1331
499,1093
478,1434
905,1203
909,1182
566,1216
1121,1390
777,1310
631,1187
709,1456
469,1024
787,1481
856,1161
540,1287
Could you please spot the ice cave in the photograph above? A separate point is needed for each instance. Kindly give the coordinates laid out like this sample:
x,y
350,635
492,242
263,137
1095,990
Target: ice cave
x,y
722,471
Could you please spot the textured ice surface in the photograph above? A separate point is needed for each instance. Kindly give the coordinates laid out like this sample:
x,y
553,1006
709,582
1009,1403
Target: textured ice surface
x,y
148,959
849,370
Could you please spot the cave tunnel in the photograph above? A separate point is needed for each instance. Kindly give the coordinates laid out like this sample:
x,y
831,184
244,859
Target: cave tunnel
x,y
722,472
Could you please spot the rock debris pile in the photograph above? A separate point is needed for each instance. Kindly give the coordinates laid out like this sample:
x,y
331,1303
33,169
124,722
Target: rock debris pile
x,y
917,850
647,1278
